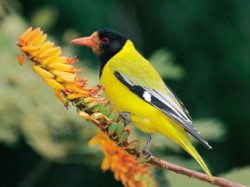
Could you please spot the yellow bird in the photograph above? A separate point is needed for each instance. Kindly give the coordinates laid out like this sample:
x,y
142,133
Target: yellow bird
x,y
136,90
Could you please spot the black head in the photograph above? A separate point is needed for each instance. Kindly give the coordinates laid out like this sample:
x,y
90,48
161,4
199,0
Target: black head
x,y
105,43
110,43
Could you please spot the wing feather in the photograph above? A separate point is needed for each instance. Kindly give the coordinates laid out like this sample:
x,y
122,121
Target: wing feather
x,y
165,100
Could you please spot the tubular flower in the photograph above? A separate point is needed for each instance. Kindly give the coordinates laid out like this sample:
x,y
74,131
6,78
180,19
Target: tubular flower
x,y
59,73
125,167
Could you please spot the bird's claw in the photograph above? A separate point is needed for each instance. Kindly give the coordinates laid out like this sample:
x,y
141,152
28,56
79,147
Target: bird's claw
x,y
145,157
146,152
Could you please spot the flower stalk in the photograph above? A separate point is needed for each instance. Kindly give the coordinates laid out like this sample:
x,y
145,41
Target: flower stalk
x,y
59,73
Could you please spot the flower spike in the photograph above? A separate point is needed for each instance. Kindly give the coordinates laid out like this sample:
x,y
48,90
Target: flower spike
x,y
60,74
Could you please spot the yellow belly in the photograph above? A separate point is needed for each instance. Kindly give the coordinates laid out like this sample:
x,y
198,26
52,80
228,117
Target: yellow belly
x,y
125,101
143,115
146,117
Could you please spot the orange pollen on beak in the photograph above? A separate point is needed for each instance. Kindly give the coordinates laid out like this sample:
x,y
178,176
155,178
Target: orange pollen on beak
x,y
87,41
90,41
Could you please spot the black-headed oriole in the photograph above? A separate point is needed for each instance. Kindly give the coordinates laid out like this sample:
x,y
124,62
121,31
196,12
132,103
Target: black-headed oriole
x,y
134,87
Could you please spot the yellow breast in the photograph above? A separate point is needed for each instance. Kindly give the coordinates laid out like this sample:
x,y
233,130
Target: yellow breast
x,y
126,101
119,95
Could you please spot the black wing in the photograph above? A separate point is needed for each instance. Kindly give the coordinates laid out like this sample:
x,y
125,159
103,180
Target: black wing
x,y
167,103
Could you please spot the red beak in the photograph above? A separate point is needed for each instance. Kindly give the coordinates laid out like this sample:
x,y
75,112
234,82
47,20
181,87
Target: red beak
x,y
87,41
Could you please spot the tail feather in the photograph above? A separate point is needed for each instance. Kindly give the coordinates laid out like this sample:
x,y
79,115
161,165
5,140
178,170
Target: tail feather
x,y
192,151
180,136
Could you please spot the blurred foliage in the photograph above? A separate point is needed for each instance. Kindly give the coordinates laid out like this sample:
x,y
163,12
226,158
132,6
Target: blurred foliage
x,y
207,63
163,61
26,110
46,17
30,112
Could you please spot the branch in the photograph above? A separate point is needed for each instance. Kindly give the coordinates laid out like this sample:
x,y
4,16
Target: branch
x,y
60,74
187,172
193,174
137,153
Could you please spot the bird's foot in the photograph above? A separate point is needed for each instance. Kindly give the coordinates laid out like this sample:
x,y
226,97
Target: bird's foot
x,y
146,149
125,117
145,157
146,152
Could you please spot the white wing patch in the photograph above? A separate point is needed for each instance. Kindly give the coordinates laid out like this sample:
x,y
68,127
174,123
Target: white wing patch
x,y
147,96
167,102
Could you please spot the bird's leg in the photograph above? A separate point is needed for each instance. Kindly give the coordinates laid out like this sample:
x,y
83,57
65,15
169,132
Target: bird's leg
x,y
146,149
125,117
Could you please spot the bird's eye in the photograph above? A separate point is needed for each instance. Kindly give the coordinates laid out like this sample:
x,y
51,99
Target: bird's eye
x,y
105,40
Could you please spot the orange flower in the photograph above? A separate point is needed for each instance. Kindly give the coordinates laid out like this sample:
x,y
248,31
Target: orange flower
x,y
60,74
126,168
57,71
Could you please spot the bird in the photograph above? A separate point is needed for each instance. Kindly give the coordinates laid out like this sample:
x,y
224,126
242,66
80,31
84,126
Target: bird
x,y
137,91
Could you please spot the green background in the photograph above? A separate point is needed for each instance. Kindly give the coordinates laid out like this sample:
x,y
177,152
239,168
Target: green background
x,y
201,48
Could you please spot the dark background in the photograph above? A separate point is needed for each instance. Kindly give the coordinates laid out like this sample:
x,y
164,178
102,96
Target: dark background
x,y
210,40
